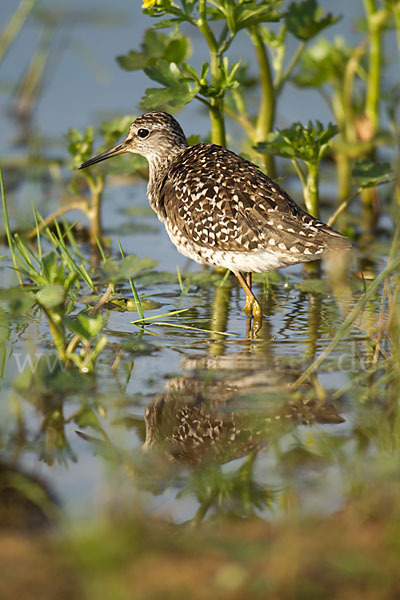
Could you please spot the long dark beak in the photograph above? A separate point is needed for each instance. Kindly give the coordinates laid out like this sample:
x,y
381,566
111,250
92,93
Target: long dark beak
x,y
118,149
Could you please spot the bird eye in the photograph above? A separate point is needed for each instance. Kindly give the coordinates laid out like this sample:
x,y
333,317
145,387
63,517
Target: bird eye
x,y
143,133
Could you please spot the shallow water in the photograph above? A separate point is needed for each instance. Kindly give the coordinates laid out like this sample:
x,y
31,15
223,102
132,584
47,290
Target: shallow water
x,y
186,423
185,411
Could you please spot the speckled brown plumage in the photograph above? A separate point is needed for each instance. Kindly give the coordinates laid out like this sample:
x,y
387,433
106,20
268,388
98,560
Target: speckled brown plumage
x,y
219,208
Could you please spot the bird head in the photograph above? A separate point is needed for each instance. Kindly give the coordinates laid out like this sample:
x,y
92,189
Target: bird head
x,y
154,135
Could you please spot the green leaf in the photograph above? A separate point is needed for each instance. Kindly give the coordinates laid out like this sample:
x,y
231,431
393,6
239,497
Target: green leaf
x,y
304,19
178,50
193,139
176,91
174,47
275,144
85,325
251,13
204,70
273,39
369,174
166,73
306,142
241,15
50,266
51,296
189,70
133,61
138,347
166,23
156,98
159,9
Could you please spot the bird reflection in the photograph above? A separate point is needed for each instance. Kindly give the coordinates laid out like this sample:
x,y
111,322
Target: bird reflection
x,y
226,407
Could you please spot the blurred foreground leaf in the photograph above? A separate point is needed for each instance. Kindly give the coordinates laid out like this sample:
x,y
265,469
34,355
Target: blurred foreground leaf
x,y
314,286
85,325
324,62
127,268
19,301
45,381
51,296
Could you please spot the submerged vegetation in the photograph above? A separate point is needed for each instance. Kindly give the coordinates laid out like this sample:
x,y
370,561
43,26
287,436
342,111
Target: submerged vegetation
x,y
133,400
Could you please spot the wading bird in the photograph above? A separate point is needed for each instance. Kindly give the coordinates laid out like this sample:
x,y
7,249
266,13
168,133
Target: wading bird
x,y
221,209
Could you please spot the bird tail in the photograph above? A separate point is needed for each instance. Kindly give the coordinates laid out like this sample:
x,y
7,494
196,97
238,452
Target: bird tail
x,y
333,240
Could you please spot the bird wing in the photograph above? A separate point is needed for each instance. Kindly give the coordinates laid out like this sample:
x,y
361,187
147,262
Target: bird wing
x,y
219,200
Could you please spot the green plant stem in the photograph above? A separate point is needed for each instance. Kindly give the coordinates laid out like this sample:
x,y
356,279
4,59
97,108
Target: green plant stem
x,y
105,298
352,66
311,196
342,207
216,108
218,135
14,25
281,79
266,112
375,22
242,120
58,334
201,513
346,203
343,174
300,174
96,187
342,106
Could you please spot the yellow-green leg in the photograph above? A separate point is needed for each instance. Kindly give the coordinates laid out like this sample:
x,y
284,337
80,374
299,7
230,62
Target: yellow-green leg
x,y
252,305
248,307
